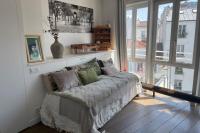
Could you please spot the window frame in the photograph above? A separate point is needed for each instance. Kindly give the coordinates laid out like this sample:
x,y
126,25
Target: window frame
x,y
150,49
174,33
141,4
138,5
153,47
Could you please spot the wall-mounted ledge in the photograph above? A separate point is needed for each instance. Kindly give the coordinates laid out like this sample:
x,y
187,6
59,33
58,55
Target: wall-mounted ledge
x,y
74,57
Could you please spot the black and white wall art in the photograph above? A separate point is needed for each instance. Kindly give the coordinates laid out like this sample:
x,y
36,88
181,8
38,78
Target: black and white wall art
x,y
70,18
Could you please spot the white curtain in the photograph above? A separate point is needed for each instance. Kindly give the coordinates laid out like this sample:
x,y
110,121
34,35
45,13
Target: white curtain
x,y
121,36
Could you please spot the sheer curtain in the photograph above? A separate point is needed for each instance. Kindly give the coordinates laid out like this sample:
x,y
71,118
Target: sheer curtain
x,y
121,36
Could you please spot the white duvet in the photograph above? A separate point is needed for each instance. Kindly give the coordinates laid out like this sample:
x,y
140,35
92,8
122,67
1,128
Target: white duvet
x,y
84,109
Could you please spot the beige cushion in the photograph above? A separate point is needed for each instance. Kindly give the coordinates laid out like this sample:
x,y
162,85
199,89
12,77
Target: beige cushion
x,y
65,79
49,83
110,70
108,63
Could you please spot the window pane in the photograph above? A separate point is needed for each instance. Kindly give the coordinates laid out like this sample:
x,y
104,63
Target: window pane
x,y
177,78
136,37
136,30
137,68
129,34
163,35
186,31
141,32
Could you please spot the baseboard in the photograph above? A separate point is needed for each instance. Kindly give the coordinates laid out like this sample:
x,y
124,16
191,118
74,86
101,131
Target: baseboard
x,y
173,93
34,121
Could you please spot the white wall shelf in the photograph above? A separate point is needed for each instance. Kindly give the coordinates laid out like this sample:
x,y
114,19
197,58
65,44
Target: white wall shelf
x,y
74,58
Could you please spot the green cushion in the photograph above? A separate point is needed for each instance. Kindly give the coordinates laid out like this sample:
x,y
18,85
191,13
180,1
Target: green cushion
x,y
87,76
93,64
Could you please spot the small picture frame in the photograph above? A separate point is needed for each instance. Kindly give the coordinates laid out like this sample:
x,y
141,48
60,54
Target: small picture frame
x,y
34,49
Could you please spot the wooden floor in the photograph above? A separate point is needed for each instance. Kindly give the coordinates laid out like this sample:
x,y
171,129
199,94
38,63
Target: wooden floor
x,y
148,115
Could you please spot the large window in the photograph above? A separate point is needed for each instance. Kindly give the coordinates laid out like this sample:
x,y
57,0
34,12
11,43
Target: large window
x,y
163,32
136,39
186,30
169,59
174,44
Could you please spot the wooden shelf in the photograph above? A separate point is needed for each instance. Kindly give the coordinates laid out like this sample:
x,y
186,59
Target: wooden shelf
x,y
102,37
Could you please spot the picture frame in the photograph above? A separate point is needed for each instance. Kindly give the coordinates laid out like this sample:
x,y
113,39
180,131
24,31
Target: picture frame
x,y
34,49
70,18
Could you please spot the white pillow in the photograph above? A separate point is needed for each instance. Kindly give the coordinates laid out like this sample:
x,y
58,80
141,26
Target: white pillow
x,y
108,63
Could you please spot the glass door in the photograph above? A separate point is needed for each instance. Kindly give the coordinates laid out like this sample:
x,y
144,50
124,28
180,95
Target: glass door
x,y
136,37
161,44
174,43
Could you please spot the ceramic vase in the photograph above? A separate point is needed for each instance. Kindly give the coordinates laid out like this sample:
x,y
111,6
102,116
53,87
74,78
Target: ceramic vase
x,y
57,49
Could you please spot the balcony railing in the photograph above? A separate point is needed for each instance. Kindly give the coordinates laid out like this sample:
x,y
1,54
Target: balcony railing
x,y
161,55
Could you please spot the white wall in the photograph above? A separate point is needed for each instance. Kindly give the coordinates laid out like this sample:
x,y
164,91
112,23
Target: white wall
x,y
12,85
109,16
21,88
34,13
35,21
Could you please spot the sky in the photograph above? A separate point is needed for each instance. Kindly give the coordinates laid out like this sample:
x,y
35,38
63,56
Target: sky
x,y
142,13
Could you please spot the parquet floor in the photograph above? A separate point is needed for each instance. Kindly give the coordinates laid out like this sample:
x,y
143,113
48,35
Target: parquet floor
x,y
145,114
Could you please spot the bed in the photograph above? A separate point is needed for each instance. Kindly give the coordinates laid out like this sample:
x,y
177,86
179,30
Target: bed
x,y
85,109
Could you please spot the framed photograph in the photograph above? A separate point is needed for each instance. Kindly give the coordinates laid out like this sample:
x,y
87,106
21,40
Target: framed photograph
x,y
71,18
34,49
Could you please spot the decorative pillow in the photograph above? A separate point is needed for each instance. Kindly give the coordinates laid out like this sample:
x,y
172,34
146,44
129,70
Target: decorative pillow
x,y
66,79
110,70
100,62
108,63
91,64
49,82
75,68
88,76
